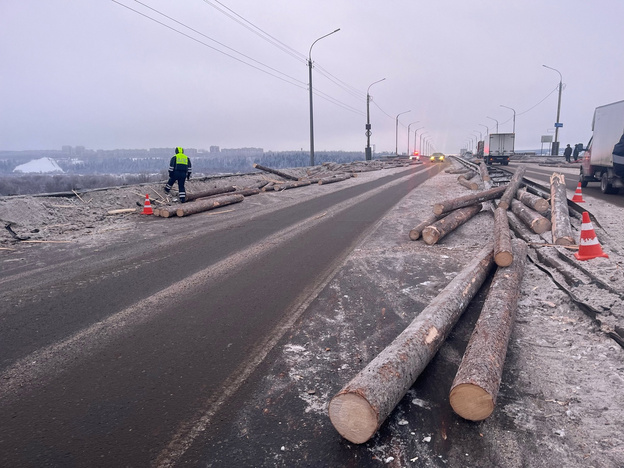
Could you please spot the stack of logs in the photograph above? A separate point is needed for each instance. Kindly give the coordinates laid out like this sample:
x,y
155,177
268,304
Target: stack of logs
x,y
359,409
223,196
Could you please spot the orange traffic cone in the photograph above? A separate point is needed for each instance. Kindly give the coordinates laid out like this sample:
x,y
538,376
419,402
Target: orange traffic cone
x,y
147,208
578,195
589,247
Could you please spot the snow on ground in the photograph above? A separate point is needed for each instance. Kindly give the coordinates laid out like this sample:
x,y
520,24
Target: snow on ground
x,y
39,166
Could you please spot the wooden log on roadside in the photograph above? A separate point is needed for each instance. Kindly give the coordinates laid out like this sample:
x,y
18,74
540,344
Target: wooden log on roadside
x,y
503,254
290,185
121,211
512,188
559,212
531,218
476,384
415,233
467,200
468,184
167,211
534,202
485,175
275,171
439,229
331,180
359,409
187,209
210,192
268,187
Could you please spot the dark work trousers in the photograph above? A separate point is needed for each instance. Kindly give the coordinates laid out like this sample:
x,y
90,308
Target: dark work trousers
x,y
180,177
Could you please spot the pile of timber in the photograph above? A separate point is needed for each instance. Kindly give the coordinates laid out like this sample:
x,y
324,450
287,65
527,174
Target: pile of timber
x,y
198,206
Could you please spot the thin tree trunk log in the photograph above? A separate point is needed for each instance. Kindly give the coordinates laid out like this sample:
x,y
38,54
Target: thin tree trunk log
x,y
512,188
534,202
415,233
466,183
289,185
204,205
359,409
439,229
268,186
167,211
560,217
476,384
467,200
208,193
531,218
275,171
503,255
331,180
485,175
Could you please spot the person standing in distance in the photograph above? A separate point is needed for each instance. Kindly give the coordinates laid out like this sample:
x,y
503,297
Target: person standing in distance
x,y
567,153
180,170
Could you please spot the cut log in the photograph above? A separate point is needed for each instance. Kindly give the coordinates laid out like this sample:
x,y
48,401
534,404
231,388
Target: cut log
x,y
331,180
210,192
466,183
359,409
534,202
167,211
275,171
467,200
268,186
485,175
512,188
531,218
121,210
503,255
415,233
475,388
204,205
290,185
439,229
559,213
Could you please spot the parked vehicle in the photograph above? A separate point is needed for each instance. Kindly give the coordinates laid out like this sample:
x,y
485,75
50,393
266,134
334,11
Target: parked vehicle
x,y
501,148
603,160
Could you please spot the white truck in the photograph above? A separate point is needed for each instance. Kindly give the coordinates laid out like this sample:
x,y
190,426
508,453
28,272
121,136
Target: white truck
x,y
603,160
501,148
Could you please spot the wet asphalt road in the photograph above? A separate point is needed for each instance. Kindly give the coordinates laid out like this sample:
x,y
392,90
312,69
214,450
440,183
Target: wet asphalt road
x,y
105,364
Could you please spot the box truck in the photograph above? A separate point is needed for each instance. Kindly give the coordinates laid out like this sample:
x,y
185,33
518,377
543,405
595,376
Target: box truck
x,y
501,148
603,160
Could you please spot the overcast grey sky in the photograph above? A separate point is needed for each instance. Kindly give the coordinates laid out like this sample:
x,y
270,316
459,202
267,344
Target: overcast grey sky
x,y
94,73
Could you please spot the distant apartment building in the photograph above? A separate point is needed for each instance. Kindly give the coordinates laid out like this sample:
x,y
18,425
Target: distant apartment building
x,y
214,149
248,152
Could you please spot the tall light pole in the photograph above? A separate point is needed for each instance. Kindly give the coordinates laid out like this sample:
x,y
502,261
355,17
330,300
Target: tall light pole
x,y
514,117
311,106
368,151
491,118
415,137
487,130
408,135
420,146
555,145
396,150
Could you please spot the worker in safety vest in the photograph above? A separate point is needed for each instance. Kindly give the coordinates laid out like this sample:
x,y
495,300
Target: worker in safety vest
x,y
180,170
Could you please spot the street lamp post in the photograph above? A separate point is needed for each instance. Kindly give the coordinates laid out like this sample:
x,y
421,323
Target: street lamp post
x,y
396,149
420,145
408,135
311,106
415,137
494,121
368,151
555,145
514,117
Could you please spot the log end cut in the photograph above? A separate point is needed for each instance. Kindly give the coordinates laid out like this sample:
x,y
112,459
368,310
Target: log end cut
x,y
430,235
414,234
353,417
471,402
503,258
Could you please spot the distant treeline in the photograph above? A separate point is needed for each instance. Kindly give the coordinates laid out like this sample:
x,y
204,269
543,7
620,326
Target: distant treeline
x,y
96,172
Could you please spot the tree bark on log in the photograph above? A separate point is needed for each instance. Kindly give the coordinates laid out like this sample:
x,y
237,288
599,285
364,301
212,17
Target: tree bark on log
x,y
268,186
531,218
208,193
331,180
512,188
204,205
476,384
167,211
485,175
289,185
534,202
415,233
275,171
503,254
467,200
359,409
439,229
559,216
466,183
